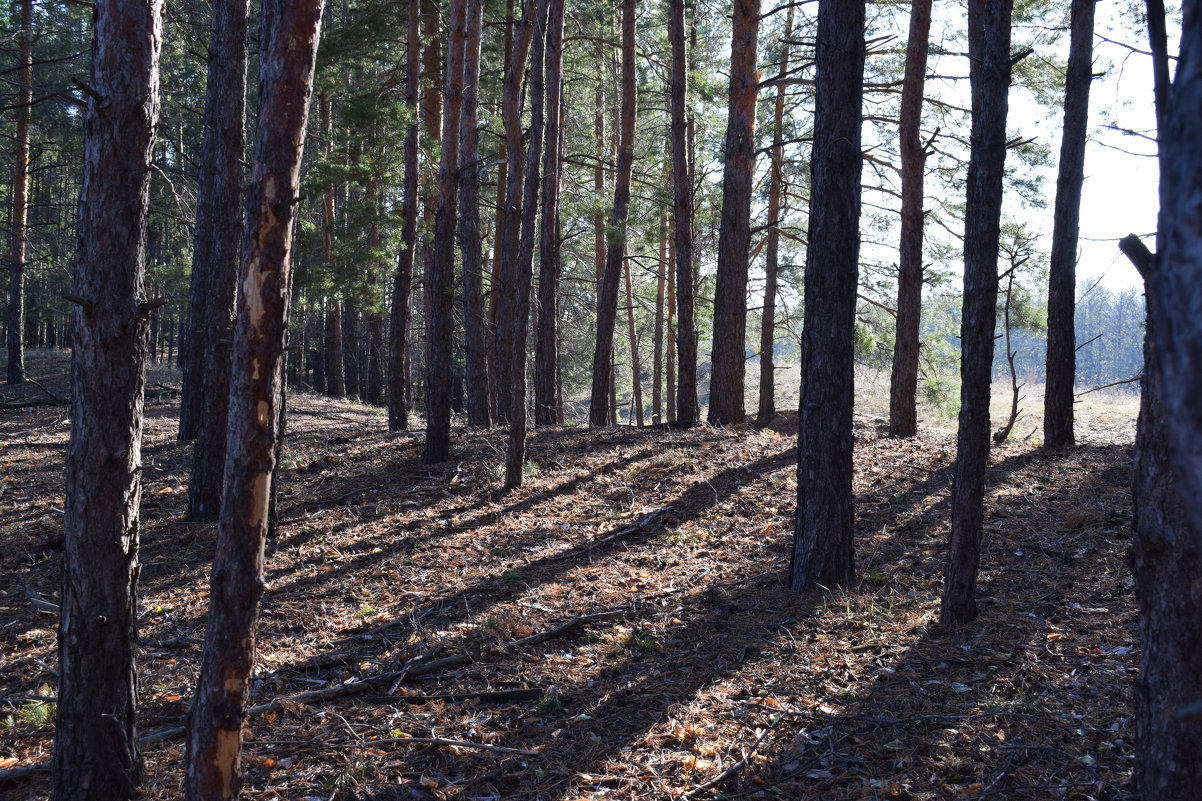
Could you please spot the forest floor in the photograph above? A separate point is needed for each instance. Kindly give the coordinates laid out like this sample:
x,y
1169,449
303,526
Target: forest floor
x,y
698,674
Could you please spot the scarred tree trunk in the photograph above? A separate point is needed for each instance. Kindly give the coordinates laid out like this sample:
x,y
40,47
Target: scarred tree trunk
x,y
734,233
218,211
402,286
511,118
682,214
546,357
441,280
903,381
19,198
1062,275
989,73
515,454
823,542
288,49
474,346
95,739
607,306
767,406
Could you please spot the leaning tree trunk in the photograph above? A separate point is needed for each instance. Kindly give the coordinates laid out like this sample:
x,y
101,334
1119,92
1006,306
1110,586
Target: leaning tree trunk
x,y
515,454
402,286
607,306
511,230
823,541
440,326
734,233
95,739
1062,275
288,50
903,380
20,198
218,211
546,355
989,73
767,405
475,355
682,215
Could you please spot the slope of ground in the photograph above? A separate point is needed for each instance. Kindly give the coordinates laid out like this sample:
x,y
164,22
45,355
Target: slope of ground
x,y
699,674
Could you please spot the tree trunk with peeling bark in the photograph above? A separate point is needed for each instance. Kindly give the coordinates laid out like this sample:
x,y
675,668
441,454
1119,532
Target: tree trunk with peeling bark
x,y
1062,275
402,285
96,753
989,74
823,544
218,211
607,306
441,280
903,380
288,50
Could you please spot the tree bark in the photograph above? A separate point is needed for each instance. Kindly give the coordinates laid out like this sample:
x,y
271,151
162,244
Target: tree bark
x,y
903,380
657,365
1062,276
670,355
511,232
402,286
546,356
682,214
441,280
20,198
95,739
218,211
989,74
607,307
288,49
474,347
636,369
823,545
767,404
515,455
734,233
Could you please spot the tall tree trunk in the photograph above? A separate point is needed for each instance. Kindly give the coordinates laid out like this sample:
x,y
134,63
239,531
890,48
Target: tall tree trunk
x,y
95,738
635,367
511,229
903,381
516,452
682,190
734,233
19,197
218,212
1062,275
1165,561
402,285
335,360
440,326
431,112
670,356
351,348
657,366
767,406
474,345
607,307
288,49
546,356
374,384
823,544
989,74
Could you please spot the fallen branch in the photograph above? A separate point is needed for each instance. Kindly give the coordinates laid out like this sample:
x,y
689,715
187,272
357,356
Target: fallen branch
x,y
456,743
486,697
737,766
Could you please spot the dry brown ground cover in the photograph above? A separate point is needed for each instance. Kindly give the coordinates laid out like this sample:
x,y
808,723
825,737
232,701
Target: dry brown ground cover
x,y
707,679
